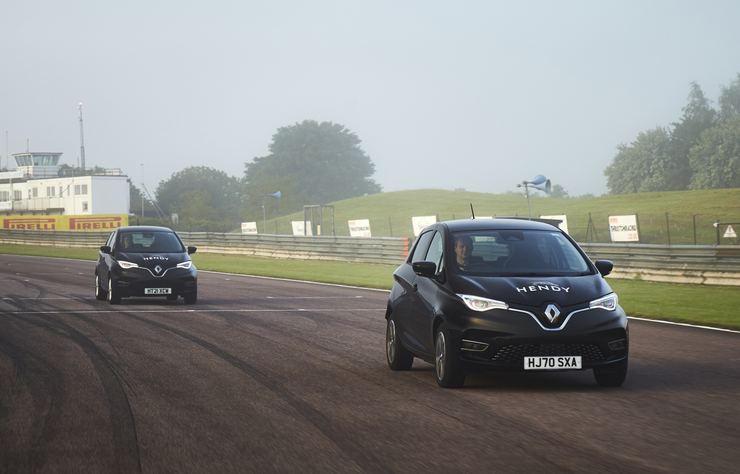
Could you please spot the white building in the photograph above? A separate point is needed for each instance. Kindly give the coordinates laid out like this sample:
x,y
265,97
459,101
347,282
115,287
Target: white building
x,y
34,189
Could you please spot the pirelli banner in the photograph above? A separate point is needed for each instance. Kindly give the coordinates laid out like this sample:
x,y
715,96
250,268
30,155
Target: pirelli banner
x,y
92,223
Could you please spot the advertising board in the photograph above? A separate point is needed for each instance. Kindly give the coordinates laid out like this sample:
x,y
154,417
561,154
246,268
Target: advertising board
x,y
563,221
419,222
298,228
624,228
359,228
249,227
92,223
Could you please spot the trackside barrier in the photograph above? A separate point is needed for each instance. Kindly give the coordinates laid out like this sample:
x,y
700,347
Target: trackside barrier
x,y
390,250
700,264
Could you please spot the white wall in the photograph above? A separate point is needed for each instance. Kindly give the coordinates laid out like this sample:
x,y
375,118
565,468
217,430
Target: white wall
x,y
105,195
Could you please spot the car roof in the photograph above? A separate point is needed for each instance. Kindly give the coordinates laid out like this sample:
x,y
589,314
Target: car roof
x,y
463,225
144,228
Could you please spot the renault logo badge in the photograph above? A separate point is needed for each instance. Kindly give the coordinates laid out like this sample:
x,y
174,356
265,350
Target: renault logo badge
x,y
158,269
552,312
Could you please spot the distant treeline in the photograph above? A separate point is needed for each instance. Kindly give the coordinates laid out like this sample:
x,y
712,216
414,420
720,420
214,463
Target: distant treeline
x,y
309,163
699,151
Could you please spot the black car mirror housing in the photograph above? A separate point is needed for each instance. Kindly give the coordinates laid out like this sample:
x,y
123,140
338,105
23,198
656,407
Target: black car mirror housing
x,y
191,250
105,249
604,267
427,269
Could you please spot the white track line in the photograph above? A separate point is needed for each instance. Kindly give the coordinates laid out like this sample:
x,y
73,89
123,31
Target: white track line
x,y
660,321
204,310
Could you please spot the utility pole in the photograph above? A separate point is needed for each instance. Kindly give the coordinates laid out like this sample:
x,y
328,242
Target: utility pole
x,y
82,139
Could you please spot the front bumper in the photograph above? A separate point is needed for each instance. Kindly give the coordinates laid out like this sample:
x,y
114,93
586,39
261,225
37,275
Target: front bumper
x,y
134,281
501,339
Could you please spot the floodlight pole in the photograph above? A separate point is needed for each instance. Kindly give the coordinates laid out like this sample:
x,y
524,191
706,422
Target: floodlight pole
x,y
82,139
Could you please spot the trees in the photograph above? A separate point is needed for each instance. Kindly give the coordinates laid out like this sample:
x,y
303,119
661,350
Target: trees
x,y
202,197
558,191
715,160
310,163
698,116
701,150
729,100
641,166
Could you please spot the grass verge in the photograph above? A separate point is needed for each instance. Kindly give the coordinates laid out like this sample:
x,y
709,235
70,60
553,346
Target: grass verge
x,y
697,304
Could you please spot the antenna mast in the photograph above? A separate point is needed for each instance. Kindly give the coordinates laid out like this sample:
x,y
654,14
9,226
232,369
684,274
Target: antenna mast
x,y
82,139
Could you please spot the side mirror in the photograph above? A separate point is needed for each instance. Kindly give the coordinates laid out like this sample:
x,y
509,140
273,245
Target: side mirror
x,y
604,267
105,249
426,269
191,249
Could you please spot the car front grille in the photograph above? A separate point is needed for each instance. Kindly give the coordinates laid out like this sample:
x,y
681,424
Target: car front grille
x,y
517,352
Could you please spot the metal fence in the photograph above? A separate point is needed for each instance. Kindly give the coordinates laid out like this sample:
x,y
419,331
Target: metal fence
x,y
702,264
353,249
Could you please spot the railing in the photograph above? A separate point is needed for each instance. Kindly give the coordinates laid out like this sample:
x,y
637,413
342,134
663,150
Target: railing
x,y
389,250
702,264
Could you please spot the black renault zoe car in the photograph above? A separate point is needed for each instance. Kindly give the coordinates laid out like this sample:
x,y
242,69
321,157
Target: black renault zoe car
x,y
145,261
504,294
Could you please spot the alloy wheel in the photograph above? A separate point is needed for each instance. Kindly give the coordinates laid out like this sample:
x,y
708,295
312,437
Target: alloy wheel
x,y
390,341
440,356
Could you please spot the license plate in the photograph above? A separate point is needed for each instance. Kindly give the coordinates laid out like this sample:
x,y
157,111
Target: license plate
x,y
157,291
552,362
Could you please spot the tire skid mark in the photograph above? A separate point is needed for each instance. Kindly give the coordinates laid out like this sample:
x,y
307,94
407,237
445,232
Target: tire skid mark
x,y
123,425
47,389
125,442
357,453
448,399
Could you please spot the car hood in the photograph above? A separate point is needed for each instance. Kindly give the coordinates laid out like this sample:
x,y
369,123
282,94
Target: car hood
x,y
534,291
151,260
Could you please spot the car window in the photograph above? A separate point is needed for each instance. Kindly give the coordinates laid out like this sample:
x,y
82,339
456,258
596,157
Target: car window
x,y
111,239
422,246
522,252
149,242
435,250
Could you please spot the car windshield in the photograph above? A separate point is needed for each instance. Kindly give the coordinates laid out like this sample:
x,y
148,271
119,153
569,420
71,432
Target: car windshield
x,y
149,242
517,253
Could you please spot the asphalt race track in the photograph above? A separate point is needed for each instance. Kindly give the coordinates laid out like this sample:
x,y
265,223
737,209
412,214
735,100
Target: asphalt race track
x,y
268,375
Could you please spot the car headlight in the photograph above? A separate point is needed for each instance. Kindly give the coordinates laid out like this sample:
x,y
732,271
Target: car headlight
x,y
185,265
477,303
126,265
608,302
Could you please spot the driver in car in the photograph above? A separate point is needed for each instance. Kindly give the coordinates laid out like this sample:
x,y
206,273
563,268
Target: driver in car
x,y
463,248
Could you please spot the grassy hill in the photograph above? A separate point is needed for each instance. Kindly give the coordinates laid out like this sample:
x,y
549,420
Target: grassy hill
x,y
390,213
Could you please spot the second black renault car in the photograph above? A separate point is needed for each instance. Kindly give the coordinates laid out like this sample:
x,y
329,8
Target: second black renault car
x,y
145,261
504,294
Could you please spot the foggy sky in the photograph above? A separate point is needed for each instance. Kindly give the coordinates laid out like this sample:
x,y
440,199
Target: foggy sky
x,y
477,95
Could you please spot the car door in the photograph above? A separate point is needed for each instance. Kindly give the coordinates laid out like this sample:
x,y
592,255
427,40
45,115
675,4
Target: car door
x,y
105,260
428,294
407,302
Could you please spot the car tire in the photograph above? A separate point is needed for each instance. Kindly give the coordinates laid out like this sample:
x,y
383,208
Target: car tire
x,y
397,356
612,375
172,297
447,367
100,293
191,298
113,297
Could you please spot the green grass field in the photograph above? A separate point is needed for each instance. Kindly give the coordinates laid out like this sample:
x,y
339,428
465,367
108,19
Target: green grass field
x,y
390,213
706,305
